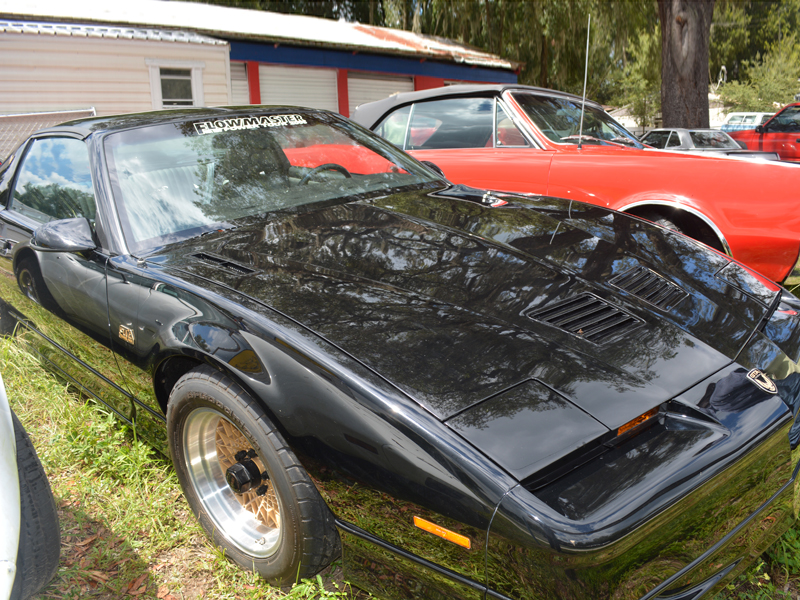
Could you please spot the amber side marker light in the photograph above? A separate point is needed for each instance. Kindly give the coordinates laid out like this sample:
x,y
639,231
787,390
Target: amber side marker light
x,y
450,536
638,420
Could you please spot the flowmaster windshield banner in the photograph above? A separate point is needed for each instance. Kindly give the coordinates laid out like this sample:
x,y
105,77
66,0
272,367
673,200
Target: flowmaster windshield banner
x,y
220,125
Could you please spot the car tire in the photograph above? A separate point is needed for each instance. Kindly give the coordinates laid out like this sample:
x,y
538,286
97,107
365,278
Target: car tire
x,y
31,282
39,536
663,221
220,439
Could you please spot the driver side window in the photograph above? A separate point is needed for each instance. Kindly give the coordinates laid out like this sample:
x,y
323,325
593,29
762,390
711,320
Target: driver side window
x,y
788,121
54,181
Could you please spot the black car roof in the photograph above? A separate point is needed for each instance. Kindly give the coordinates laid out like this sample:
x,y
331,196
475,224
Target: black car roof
x,y
370,113
88,125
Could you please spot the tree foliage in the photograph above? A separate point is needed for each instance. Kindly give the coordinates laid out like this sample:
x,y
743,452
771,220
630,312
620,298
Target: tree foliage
x,y
757,42
754,39
547,36
767,80
640,85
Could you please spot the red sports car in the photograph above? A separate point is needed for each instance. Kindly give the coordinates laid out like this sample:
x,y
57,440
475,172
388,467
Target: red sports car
x,y
780,134
531,140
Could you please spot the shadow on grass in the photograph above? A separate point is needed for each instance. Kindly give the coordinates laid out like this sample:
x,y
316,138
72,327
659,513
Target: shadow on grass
x,y
95,561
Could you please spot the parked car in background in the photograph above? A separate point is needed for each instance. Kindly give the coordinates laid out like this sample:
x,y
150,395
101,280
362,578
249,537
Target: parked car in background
x,y
470,394
708,142
737,121
780,134
30,540
526,139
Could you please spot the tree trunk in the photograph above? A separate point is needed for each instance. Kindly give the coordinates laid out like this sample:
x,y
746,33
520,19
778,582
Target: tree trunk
x,y
685,30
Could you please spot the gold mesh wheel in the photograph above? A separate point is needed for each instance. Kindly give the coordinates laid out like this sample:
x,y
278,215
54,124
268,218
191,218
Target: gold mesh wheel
x,y
250,520
230,441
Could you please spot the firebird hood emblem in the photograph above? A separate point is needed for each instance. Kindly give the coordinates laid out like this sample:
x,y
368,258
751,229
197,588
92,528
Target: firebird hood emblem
x,y
760,379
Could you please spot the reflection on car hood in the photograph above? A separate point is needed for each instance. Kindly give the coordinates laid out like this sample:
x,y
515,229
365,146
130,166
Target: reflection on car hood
x,y
453,300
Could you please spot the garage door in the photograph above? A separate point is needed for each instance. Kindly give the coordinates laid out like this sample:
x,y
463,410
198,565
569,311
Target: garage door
x,y
368,88
240,90
298,86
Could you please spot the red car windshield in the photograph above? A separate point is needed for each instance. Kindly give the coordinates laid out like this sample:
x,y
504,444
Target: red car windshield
x,y
559,119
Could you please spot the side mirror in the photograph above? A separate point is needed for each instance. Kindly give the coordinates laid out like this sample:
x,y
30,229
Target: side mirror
x,y
759,129
65,235
434,167
742,145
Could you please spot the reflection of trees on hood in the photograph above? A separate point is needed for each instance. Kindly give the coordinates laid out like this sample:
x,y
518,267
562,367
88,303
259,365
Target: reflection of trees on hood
x,y
434,306
531,397
590,488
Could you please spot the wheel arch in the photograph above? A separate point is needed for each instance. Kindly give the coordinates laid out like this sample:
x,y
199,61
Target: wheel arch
x,y
693,222
21,254
174,366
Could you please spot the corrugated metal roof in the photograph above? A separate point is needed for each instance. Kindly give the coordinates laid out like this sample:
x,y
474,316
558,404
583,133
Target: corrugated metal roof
x,y
99,31
222,21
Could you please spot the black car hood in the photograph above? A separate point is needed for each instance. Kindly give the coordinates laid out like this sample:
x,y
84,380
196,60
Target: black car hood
x,y
449,295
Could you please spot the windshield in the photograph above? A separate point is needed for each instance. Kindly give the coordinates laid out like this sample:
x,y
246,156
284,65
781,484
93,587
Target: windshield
x,y
559,119
178,180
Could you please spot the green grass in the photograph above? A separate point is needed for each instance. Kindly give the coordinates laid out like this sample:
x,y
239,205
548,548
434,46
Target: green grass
x,y
126,528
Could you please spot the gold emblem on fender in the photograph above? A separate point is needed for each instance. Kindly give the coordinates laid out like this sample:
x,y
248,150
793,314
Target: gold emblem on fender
x,y
759,378
126,333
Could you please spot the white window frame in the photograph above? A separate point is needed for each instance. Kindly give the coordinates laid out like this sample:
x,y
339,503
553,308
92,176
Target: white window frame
x,y
195,66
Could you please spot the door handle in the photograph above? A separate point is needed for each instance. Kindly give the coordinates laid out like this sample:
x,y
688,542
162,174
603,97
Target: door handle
x,y
797,140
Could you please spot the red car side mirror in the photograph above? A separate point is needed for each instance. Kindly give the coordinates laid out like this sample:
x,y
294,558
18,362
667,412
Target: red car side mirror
x,y
759,129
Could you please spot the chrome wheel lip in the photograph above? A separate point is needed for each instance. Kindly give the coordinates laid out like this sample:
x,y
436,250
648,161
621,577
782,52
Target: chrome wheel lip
x,y
207,477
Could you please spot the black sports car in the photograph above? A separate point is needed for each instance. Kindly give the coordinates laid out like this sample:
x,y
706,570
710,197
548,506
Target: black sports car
x,y
479,394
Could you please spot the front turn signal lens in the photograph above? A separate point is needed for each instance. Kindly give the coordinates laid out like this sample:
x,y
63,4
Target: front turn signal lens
x,y
638,421
450,536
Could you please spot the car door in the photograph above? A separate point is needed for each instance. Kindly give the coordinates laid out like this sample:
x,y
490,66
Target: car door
x,y
474,140
62,295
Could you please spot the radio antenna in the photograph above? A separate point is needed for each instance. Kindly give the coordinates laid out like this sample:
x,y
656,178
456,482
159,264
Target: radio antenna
x,y
585,75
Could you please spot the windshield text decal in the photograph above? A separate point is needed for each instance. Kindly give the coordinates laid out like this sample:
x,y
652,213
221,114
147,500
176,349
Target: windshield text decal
x,y
219,125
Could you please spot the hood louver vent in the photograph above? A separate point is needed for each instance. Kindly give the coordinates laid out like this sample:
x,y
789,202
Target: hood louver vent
x,y
221,262
589,317
650,287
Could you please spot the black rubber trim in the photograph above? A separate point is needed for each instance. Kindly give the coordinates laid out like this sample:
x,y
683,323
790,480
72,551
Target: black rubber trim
x,y
368,537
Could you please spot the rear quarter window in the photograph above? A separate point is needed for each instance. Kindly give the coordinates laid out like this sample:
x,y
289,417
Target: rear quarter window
x,y
452,123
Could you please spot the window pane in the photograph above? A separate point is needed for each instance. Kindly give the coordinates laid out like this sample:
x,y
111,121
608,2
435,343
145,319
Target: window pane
x,y
178,180
454,123
55,181
393,127
560,120
656,139
712,139
674,140
507,132
185,73
788,121
176,87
